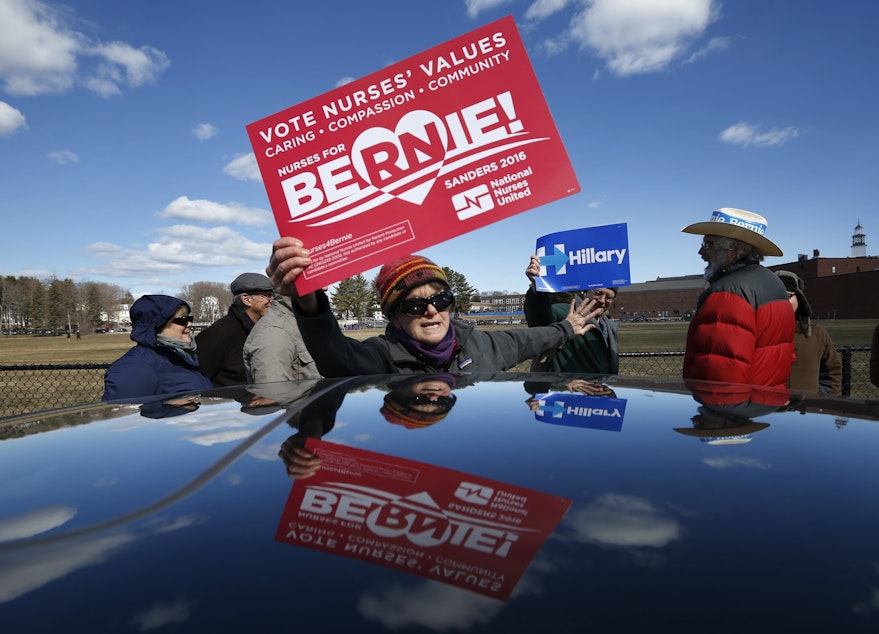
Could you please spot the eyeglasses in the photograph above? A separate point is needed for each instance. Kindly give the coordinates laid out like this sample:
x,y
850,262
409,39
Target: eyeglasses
x,y
266,294
605,296
182,321
417,306
429,399
790,294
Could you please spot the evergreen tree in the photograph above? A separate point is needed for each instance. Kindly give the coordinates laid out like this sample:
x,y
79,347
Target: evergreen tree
x,y
461,288
61,303
36,316
354,298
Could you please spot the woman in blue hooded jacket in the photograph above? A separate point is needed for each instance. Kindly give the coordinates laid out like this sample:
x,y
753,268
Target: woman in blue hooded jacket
x,y
164,360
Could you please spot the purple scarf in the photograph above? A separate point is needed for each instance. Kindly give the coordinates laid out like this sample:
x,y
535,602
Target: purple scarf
x,y
439,356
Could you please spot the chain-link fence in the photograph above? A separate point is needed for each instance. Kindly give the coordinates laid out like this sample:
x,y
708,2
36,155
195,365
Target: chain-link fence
x,y
31,388
667,365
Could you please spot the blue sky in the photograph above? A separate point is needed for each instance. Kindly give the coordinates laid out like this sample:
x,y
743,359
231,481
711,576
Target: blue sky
x,y
125,157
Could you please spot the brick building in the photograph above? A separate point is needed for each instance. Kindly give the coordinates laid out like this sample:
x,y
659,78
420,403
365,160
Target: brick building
x,y
837,288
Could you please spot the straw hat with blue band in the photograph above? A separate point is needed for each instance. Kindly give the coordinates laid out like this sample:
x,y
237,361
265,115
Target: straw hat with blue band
x,y
738,224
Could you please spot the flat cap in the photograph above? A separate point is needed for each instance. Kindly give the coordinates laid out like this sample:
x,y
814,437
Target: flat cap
x,y
247,282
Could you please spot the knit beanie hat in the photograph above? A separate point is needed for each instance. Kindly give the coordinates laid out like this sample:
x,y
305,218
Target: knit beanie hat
x,y
794,284
397,278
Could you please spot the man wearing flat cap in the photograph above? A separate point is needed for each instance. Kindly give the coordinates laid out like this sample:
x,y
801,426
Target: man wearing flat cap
x,y
743,327
221,345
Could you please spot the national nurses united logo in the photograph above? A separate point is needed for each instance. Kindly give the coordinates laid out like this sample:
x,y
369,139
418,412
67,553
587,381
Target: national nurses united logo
x,y
473,202
474,493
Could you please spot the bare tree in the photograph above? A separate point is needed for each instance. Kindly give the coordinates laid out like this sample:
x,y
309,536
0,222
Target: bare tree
x,y
99,303
209,300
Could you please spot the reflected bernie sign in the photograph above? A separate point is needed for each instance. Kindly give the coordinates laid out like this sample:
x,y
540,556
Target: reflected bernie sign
x,y
580,259
445,525
437,145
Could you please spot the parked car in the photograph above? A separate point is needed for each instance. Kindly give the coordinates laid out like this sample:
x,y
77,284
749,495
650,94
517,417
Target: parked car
x,y
503,503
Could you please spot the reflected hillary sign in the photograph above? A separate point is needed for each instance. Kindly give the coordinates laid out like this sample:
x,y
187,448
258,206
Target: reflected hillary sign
x,y
580,259
581,410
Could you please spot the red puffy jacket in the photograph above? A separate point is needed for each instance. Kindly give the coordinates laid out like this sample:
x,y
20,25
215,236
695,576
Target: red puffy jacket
x,y
743,330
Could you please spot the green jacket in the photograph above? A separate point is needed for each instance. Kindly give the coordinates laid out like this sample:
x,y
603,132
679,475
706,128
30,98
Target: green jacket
x,y
596,352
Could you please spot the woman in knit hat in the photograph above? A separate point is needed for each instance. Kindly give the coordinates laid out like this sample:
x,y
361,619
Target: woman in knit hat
x,y
422,336
419,401
818,367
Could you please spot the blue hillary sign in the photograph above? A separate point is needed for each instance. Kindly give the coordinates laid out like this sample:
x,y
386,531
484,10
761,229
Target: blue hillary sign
x,y
581,410
580,259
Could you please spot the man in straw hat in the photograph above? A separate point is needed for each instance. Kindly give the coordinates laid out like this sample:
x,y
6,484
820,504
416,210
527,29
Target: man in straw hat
x,y
743,328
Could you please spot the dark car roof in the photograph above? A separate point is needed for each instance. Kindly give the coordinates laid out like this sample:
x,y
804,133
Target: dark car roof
x,y
514,503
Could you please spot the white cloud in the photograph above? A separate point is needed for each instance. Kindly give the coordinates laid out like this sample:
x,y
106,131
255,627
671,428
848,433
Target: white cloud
x,y
626,521
63,156
715,45
641,36
209,211
178,248
554,45
542,9
141,65
163,614
204,131
22,573
197,246
243,168
41,54
475,7
731,462
35,522
433,605
10,119
747,135
221,437
103,248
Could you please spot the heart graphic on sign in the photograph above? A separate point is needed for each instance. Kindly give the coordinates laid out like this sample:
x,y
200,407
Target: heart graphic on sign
x,y
403,163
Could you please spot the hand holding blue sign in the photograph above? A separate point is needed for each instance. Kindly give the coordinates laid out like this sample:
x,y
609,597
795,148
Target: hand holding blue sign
x,y
594,257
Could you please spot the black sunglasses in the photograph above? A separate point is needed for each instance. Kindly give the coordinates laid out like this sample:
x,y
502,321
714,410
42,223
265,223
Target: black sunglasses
x,y
417,306
429,399
182,321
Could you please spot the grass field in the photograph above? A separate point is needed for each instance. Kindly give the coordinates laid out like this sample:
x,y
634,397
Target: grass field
x,y
666,336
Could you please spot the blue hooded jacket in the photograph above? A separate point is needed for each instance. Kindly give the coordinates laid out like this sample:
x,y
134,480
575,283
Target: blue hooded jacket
x,y
151,368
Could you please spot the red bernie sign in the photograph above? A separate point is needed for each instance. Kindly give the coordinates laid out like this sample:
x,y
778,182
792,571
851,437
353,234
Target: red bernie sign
x,y
442,143
436,523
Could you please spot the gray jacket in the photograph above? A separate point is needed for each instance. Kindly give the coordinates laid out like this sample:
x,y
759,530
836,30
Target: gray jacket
x,y
478,350
274,350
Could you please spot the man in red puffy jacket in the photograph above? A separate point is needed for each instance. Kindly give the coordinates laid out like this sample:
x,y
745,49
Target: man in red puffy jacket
x,y
743,328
